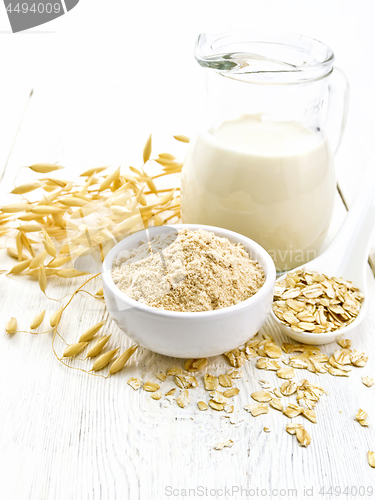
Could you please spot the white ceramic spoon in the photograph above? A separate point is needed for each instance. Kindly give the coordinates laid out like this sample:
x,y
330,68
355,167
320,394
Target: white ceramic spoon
x,y
346,257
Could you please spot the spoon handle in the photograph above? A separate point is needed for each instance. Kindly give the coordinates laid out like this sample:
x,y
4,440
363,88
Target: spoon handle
x,y
349,251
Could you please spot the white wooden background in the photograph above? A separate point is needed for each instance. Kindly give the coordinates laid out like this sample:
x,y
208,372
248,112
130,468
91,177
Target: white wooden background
x,y
67,435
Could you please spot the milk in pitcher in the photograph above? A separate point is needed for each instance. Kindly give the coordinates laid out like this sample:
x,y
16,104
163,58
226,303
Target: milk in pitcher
x,y
272,181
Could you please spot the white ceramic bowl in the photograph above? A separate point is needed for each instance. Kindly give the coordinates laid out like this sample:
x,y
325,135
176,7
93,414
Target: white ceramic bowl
x,y
191,334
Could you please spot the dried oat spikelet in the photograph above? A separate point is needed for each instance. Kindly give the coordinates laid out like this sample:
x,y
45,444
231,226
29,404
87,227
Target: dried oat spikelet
x,y
26,188
11,326
74,349
29,228
37,320
147,149
44,168
91,332
69,273
48,244
38,260
46,210
109,179
104,359
14,208
12,252
56,317
122,360
20,267
58,262
182,138
97,348
42,279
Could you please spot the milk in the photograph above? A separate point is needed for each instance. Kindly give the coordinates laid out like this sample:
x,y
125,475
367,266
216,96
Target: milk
x,y
271,181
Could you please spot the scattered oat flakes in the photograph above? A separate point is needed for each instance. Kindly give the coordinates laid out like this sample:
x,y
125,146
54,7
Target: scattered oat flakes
x,y
335,364
231,392
156,395
174,371
345,343
288,388
286,373
277,393
265,384
272,350
226,444
277,404
225,381
185,381
358,358
232,373
303,437
161,376
236,357
337,373
368,381
256,409
151,387
297,363
211,383
342,356
310,415
371,458
202,406
193,365
171,392
292,410
218,397
262,396
266,429
292,428
361,418
228,408
267,364
183,399
135,383
216,406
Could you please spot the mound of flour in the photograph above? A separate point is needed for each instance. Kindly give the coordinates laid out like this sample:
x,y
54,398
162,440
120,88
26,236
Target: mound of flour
x,y
188,271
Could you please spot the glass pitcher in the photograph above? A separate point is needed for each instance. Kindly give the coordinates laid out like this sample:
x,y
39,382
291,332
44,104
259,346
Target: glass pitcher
x,y
262,164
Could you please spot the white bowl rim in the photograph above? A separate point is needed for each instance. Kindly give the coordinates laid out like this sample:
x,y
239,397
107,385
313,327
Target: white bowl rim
x,y
269,271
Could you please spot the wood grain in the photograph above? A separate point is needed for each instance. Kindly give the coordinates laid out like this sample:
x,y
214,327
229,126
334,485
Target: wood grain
x,y
68,435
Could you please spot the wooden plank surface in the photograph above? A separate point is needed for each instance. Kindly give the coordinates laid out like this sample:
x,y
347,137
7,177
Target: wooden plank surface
x,y
66,434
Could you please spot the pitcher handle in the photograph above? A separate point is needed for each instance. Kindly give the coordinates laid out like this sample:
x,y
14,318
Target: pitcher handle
x,y
338,105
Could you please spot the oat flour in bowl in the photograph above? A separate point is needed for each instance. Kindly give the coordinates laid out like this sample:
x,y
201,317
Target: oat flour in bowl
x,y
188,271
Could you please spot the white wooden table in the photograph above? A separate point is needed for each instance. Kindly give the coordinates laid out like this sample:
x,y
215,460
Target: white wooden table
x,y
66,435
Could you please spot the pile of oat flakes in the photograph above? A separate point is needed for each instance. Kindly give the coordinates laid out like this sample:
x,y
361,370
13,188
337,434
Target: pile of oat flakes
x,y
221,390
